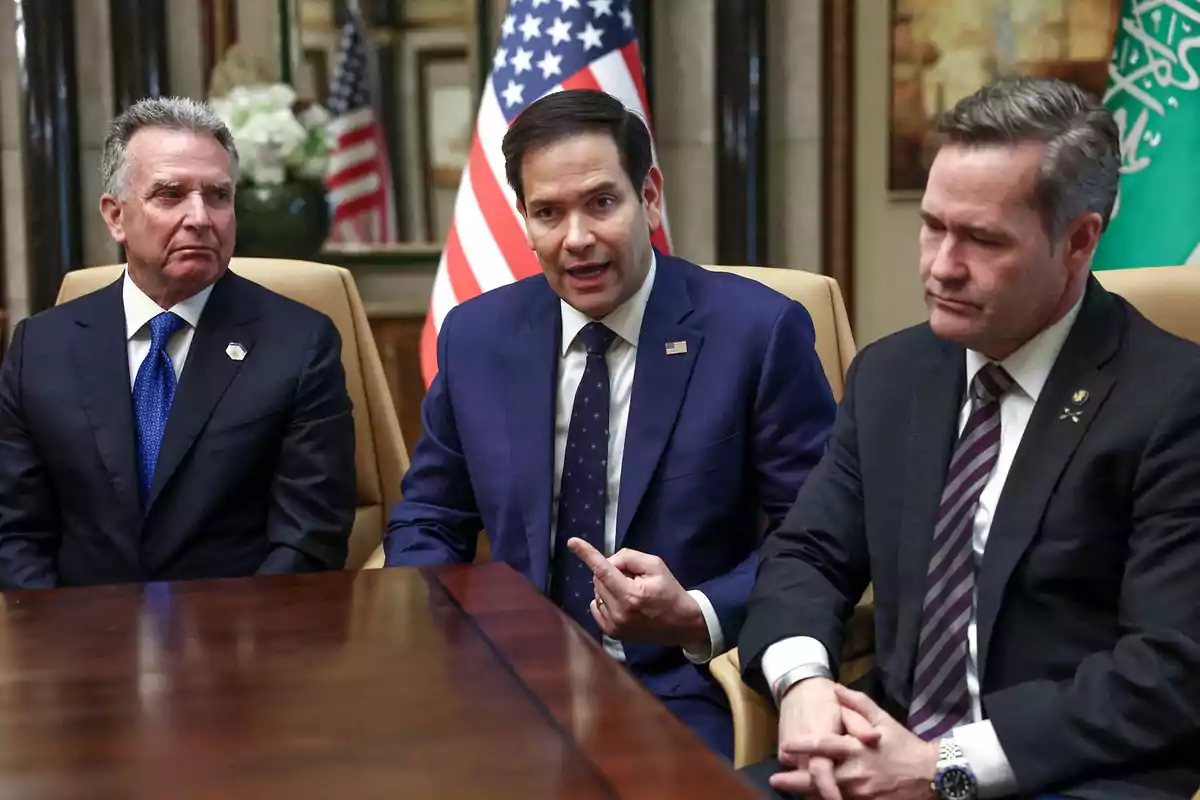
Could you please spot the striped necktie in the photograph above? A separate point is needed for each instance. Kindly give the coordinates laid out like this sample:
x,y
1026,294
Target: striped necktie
x,y
940,698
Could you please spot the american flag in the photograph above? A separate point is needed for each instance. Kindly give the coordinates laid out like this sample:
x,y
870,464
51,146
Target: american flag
x,y
545,46
358,176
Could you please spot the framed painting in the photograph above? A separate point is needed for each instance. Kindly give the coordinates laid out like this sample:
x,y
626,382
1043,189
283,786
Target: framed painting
x,y
942,50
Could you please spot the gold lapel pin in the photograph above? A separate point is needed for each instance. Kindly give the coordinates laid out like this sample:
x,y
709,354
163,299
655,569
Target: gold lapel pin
x,y
1080,397
235,351
676,348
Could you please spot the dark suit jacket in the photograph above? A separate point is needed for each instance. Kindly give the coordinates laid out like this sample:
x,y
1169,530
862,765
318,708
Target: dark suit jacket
x,y
1088,615
716,437
256,468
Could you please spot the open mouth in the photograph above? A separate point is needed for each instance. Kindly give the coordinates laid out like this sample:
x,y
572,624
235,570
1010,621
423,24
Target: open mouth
x,y
588,272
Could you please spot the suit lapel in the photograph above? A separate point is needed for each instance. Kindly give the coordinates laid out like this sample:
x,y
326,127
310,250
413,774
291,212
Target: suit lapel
x,y
660,383
100,356
932,432
1050,439
207,373
530,389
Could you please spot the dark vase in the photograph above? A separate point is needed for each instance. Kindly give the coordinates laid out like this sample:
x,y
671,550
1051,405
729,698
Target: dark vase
x,y
287,220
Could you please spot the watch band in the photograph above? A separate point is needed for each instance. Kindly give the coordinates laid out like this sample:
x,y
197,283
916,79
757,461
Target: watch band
x,y
794,676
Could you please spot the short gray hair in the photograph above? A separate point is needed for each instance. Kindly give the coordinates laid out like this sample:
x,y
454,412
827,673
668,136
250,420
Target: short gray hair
x,y
1083,153
172,113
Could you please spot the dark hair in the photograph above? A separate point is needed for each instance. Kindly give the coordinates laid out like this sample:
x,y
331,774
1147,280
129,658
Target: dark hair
x,y
1083,153
569,113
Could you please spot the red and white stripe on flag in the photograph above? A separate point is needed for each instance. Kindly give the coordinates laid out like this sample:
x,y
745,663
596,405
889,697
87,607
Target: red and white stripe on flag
x,y
485,246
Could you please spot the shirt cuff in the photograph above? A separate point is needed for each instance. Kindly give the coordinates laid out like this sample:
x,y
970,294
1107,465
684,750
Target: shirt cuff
x,y
791,654
716,638
984,755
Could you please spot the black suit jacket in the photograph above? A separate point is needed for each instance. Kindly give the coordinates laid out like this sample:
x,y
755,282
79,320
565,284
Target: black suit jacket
x,y
256,468
1088,611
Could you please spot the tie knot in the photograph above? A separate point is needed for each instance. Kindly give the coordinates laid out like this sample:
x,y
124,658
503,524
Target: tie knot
x,y
991,383
597,338
163,327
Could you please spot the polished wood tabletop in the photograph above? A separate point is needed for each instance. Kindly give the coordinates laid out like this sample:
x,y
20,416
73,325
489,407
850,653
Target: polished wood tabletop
x,y
448,682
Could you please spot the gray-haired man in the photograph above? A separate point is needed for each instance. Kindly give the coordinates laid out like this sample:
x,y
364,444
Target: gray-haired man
x,y
181,422
1020,479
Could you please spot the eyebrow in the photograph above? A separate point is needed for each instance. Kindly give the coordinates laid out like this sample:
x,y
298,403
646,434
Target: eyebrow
x,y
604,186
975,230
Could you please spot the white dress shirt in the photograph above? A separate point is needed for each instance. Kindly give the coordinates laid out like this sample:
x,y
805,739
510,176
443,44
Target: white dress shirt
x,y
140,309
626,322
1029,367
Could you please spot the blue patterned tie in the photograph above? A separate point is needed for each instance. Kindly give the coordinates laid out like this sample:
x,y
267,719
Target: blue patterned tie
x,y
583,490
153,392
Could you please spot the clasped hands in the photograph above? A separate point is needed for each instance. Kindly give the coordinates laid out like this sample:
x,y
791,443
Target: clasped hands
x,y
638,599
836,743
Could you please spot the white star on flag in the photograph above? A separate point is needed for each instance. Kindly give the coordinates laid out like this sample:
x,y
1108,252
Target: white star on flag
x,y
626,18
501,58
530,27
522,60
567,5
560,31
512,93
549,64
537,3
601,8
590,37
509,27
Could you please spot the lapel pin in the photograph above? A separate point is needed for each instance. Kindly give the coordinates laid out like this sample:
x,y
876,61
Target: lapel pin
x,y
676,348
1071,414
1080,397
235,351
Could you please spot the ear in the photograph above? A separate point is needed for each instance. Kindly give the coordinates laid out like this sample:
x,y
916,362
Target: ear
x,y
110,209
652,198
524,216
1080,241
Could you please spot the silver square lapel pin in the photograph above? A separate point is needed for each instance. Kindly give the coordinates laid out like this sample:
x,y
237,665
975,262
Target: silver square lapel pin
x,y
676,348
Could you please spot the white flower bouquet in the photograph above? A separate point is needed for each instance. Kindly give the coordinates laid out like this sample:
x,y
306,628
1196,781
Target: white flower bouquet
x,y
278,138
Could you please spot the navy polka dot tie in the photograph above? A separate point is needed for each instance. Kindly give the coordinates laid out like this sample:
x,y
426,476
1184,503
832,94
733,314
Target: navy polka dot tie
x,y
153,393
583,490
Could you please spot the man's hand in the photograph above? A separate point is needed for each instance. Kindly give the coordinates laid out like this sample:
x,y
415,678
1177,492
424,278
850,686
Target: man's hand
x,y
900,766
810,712
639,600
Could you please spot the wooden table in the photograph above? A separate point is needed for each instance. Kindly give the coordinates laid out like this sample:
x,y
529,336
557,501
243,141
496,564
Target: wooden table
x,y
451,682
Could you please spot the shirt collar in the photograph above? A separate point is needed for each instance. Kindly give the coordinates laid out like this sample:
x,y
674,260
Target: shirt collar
x,y
625,320
1030,365
140,309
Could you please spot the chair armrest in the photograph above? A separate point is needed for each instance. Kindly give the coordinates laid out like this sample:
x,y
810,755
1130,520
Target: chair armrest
x,y
755,722
755,718
376,559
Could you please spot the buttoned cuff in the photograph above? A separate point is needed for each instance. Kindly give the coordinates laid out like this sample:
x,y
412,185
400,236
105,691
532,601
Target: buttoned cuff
x,y
793,659
716,638
984,755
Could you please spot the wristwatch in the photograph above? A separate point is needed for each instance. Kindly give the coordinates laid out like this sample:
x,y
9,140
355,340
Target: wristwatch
x,y
954,779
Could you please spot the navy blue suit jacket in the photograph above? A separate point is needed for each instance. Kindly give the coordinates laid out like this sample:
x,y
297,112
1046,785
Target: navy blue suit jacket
x,y
717,437
256,468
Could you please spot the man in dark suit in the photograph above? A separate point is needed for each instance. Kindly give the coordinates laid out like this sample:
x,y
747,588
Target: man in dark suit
x,y
1020,480
652,416
182,422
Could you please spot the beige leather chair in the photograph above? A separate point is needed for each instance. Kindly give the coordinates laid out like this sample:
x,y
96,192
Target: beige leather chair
x,y
1168,296
381,458
754,717
822,298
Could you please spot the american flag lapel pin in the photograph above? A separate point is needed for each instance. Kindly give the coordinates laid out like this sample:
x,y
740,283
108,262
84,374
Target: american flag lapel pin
x,y
676,348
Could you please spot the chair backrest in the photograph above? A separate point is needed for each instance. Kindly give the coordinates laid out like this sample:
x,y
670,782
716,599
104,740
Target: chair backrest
x,y
381,458
822,297
1168,296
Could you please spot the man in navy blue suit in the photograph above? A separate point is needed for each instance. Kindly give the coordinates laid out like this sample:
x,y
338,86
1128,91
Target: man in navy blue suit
x,y
653,417
181,422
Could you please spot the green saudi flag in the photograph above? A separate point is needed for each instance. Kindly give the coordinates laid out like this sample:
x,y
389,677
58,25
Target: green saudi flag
x,y
1154,93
